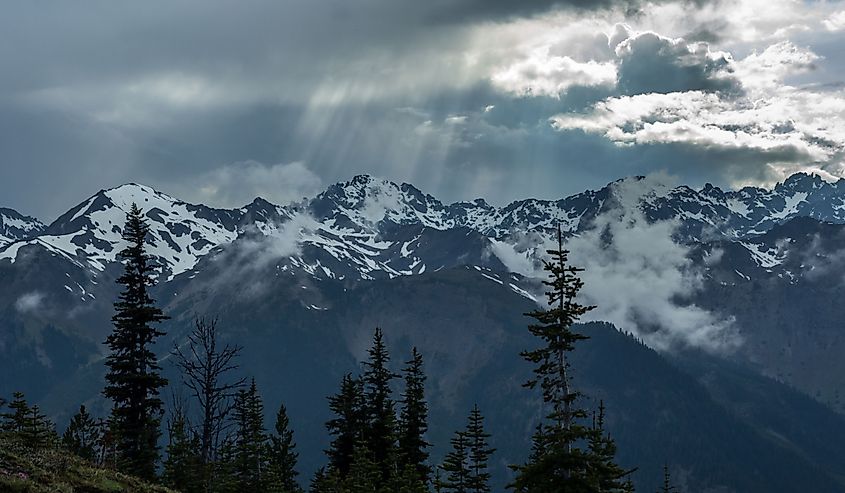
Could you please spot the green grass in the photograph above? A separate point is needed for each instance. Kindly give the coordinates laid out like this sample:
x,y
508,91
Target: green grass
x,y
56,471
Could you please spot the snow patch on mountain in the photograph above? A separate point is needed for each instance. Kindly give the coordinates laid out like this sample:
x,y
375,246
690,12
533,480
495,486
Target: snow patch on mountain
x,y
764,256
90,234
354,228
15,226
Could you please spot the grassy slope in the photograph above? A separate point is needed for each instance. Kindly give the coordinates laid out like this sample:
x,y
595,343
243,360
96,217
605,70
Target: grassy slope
x,y
56,471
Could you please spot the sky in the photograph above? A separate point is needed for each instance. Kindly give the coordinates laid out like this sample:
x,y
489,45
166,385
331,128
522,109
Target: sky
x,y
220,101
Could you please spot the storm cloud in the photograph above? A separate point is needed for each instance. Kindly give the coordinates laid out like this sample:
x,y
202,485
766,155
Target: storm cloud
x,y
219,102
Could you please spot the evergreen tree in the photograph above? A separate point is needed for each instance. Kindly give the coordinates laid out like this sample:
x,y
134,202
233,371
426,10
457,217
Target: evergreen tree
x,y
408,481
183,465
82,435
538,444
250,461
380,432
603,472
347,427
364,474
37,431
318,481
558,462
455,466
15,419
413,419
133,377
107,448
224,469
667,481
325,481
283,456
438,479
479,453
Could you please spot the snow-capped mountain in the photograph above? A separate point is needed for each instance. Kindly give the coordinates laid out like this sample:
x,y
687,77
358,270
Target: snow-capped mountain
x,y
306,282
370,227
89,234
711,212
15,226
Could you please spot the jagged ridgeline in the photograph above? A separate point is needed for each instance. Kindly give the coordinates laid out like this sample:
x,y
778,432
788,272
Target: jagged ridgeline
x,y
300,287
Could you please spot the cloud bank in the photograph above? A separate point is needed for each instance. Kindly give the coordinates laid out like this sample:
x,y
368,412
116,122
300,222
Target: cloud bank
x,y
641,280
234,185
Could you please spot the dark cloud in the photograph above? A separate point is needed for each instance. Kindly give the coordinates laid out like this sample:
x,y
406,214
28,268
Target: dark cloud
x,y
652,63
175,94
485,10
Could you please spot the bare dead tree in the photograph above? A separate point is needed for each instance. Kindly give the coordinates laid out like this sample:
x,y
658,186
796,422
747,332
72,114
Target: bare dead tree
x,y
205,367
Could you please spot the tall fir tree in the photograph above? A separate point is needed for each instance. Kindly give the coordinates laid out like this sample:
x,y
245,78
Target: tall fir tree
x,y
37,431
348,425
133,378
15,419
380,432
455,466
326,481
413,419
224,468
603,473
667,486
183,468
479,453
408,481
364,475
251,450
82,435
283,456
559,461
437,483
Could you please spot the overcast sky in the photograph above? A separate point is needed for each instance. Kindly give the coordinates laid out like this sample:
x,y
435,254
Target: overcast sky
x,y
220,101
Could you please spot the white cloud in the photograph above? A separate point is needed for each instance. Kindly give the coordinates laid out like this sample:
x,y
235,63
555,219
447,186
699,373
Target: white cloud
x,y
277,241
767,70
734,96
544,56
642,280
597,54
543,74
520,254
709,120
835,22
782,123
260,249
29,302
234,185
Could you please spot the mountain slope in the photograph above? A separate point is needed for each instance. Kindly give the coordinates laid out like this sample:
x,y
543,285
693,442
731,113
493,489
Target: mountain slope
x,y
469,326
15,226
301,287
89,234
52,470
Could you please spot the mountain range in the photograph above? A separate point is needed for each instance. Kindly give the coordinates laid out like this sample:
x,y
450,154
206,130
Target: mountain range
x,y
725,299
